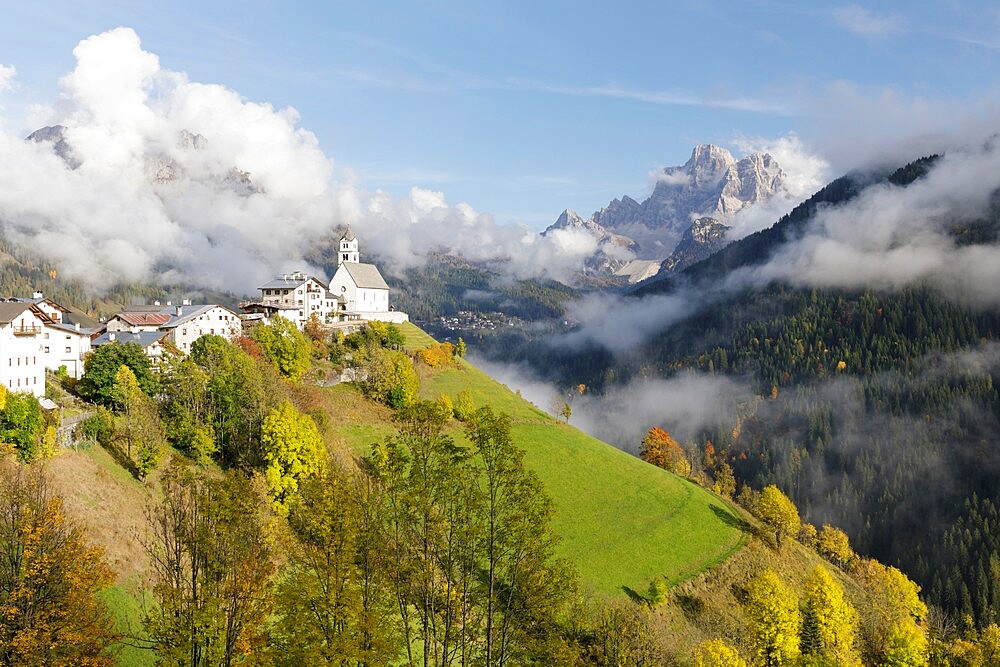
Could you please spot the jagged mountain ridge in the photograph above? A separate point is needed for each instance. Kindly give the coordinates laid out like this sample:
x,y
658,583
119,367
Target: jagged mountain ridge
x,y
711,184
161,169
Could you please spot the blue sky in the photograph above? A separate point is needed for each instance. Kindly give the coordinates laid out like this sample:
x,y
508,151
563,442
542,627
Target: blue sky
x,y
522,109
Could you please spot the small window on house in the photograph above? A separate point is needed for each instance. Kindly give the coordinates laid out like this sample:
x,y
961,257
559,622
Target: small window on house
x,y
46,349
68,349
46,335
67,336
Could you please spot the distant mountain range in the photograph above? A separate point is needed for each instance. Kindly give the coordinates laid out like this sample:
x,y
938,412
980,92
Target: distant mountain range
x,y
683,220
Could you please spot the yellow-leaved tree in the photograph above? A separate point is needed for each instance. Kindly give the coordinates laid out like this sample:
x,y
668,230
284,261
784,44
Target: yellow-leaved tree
x,y
829,622
293,450
891,617
48,578
716,653
778,512
773,620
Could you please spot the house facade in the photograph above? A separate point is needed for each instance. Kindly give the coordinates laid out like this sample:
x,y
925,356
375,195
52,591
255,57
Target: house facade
x,y
190,322
22,360
151,342
65,345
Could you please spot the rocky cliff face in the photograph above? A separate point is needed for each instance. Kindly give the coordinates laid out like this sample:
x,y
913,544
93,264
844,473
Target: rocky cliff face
x,y
711,184
703,238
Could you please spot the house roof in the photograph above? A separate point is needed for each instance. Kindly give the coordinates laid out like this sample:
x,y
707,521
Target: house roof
x,y
43,300
11,308
290,281
143,338
143,319
70,328
365,275
189,312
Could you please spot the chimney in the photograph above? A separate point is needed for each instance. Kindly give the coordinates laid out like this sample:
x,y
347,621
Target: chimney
x,y
37,295
168,303
111,336
156,303
180,311
76,326
186,302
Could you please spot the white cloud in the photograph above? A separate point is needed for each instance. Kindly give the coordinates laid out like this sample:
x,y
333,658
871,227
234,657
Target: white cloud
x,y
866,23
7,73
805,173
111,220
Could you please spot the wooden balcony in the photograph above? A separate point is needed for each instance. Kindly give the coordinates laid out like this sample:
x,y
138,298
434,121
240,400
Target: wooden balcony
x,y
27,330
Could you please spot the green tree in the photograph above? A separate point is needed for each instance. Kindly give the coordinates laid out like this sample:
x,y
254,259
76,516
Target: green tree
x,y
716,653
773,620
138,433
325,612
22,424
833,618
97,383
464,405
284,346
778,512
238,394
49,615
524,586
211,555
293,450
387,376
460,348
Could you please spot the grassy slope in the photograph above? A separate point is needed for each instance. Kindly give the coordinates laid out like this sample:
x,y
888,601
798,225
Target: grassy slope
x,y
622,521
103,498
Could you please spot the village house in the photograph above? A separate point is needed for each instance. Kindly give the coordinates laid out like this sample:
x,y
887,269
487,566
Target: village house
x,y
182,324
64,345
22,361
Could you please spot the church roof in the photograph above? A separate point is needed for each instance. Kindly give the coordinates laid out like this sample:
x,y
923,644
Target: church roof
x,y
365,275
348,235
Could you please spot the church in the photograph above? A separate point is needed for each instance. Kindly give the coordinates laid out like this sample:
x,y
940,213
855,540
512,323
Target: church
x,y
356,292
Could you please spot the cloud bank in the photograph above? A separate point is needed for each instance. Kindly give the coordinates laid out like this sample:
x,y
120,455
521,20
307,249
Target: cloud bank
x,y
182,182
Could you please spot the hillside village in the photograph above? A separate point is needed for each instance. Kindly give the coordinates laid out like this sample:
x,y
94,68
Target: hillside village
x,y
38,335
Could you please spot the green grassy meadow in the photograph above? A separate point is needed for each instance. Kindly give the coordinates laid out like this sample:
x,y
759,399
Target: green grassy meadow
x,y
622,521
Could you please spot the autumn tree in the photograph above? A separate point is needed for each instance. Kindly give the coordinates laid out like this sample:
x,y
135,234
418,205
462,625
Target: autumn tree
x,y
293,450
284,346
660,449
778,512
211,558
387,376
716,653
773,620
834,545
830,618
890,617
49,615
101,367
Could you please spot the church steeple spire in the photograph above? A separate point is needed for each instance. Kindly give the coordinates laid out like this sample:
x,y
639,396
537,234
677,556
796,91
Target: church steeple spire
x,y
347,249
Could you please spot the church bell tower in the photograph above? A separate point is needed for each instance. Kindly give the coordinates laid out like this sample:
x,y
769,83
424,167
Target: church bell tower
x,y
347,248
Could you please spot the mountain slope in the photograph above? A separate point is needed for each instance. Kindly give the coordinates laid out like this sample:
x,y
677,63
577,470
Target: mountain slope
x,y
621,520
